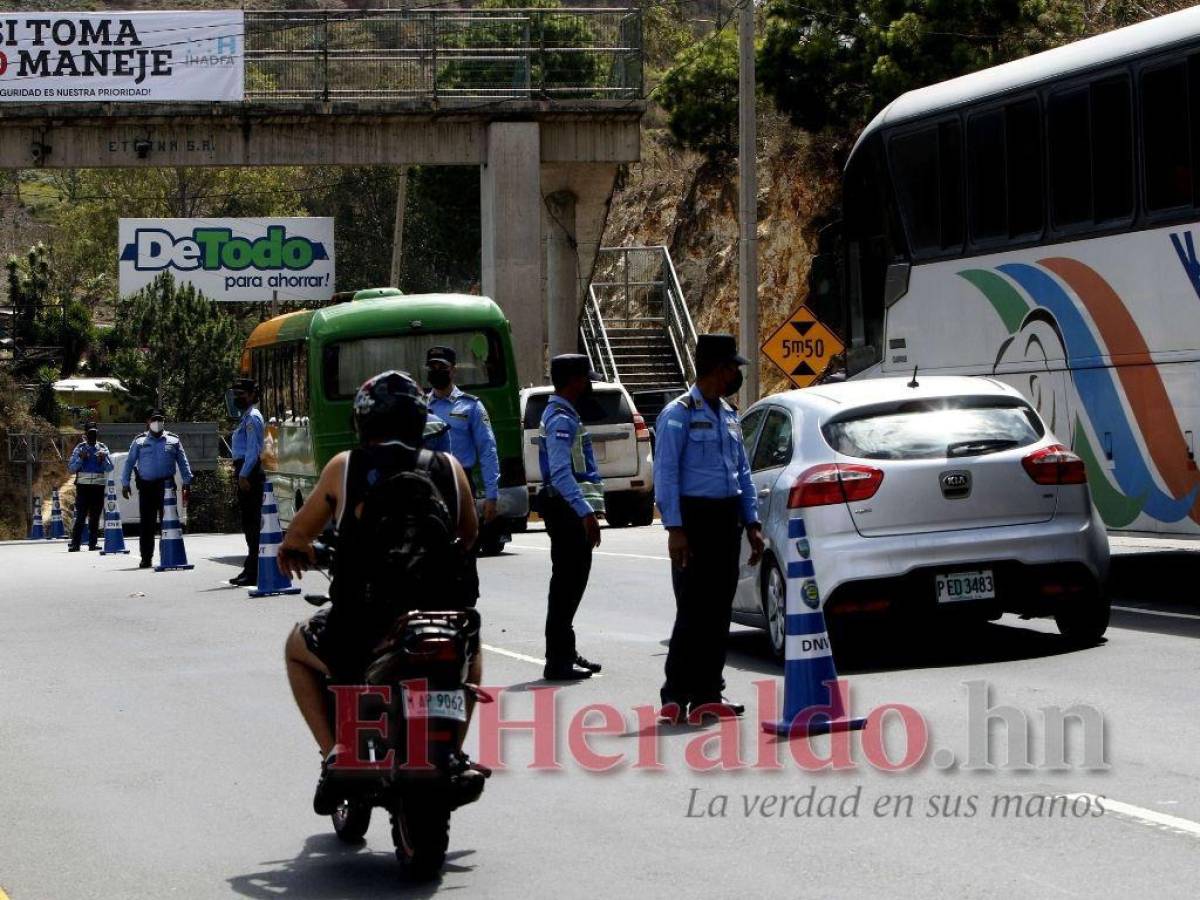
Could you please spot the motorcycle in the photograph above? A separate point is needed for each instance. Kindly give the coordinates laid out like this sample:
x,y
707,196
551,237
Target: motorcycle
x,y
409,762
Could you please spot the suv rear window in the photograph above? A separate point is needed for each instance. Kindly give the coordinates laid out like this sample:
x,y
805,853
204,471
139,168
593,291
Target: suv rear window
x,y
602,408
943,429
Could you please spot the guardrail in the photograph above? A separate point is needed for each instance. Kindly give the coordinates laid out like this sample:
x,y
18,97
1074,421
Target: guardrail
x,y
445,54
595,339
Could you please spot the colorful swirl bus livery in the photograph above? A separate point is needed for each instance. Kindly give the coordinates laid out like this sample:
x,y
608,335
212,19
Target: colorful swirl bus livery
x,y
1038,222
310,363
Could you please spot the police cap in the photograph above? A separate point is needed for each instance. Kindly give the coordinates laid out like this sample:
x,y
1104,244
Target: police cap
x,y
155,413
713,350
249,385
441,355
566,366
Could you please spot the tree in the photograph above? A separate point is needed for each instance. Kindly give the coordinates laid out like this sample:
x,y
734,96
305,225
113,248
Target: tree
x,y
833,64
700,95
174,348
46,313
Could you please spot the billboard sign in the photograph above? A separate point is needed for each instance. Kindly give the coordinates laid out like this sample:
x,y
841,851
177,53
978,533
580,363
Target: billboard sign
x,y
80,57
231,259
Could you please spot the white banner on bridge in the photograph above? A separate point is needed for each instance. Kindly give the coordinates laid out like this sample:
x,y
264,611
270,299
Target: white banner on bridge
x,y
78,57
232,259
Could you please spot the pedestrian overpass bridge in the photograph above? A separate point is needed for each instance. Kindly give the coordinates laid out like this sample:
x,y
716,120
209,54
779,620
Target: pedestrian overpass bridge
x,y
547,102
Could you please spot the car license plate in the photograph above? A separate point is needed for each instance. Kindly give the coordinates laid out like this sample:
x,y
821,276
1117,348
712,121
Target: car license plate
x,y
956,586
435,705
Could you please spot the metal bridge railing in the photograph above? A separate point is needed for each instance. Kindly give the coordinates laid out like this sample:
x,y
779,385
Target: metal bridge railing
x,y
445,54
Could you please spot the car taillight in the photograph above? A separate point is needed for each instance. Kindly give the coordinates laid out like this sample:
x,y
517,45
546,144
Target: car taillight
x,y
1055,465
440,649
640,431
835,483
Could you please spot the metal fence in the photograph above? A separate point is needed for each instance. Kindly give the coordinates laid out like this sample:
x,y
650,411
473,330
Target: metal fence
x,y
445,55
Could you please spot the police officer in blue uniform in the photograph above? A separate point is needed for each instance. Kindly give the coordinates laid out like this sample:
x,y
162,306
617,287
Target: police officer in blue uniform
x,y
471,437
90,462
572,495
155,456
705,496
247,466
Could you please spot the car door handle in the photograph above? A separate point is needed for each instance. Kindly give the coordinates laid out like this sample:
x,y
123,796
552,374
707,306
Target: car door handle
x,y
765,492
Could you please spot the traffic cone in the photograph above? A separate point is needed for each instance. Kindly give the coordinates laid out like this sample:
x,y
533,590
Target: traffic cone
x,y
171,554
37,531
114,533
270,580
812,703
57,531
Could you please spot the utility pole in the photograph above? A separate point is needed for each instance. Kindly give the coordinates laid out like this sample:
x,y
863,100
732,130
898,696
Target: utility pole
x,y
398,230
747,204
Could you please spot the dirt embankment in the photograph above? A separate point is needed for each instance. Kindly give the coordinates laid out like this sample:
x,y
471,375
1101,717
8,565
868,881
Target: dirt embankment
x,y
689,203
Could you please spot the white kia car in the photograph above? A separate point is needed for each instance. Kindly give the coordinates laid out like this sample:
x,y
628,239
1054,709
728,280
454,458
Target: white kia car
x,y
918,498
620,441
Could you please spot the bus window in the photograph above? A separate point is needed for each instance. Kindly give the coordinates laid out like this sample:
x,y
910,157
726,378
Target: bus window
x,y
1112,149
927,170
1165,137
1023,146
348,364
1070,158
987,206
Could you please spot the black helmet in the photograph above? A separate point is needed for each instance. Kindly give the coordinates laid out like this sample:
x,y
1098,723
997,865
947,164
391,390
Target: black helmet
x,y
390,406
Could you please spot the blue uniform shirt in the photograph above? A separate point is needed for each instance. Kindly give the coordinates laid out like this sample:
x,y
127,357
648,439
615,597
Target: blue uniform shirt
x,y
560,425
471,437
248,440
699,453
156,457
84,459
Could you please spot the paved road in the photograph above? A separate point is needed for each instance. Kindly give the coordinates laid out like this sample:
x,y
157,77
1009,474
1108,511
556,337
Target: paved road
x,y
150,749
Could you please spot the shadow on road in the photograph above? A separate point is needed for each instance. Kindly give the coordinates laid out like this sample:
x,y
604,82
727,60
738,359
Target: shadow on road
x,y
326,868
952,645
1156,592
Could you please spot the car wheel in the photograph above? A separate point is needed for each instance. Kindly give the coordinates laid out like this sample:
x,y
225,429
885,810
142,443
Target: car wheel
x,y
644,512
774,601
617,513
1084,621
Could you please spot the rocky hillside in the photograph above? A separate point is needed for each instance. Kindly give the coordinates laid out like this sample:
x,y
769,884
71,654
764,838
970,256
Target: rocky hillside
x,y
681,199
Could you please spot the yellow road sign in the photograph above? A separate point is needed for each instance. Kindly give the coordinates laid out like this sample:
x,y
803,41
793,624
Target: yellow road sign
x,y
802,347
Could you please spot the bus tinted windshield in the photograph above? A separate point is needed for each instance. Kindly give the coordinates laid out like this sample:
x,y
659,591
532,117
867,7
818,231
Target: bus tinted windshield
x,y
348,364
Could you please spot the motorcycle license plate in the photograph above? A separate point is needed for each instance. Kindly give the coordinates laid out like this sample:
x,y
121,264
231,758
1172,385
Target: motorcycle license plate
x,y
957,586
435,705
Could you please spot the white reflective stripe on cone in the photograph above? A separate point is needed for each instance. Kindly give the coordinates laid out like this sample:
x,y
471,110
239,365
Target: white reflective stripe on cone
x,y
807,646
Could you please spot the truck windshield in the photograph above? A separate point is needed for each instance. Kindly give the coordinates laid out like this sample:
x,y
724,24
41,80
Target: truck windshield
x,y
349,363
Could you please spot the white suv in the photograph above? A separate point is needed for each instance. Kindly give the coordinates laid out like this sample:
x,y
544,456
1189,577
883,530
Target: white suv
x,y
621,442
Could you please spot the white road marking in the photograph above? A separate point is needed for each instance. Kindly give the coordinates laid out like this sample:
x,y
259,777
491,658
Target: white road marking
x,y
1157,612
599,553
1144,816
513,654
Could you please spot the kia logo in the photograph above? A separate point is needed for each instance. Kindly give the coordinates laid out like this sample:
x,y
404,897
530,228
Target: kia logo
x,y
956,484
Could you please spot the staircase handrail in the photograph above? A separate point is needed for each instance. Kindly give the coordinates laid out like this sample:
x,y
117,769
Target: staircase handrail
x,y
595,339
679,319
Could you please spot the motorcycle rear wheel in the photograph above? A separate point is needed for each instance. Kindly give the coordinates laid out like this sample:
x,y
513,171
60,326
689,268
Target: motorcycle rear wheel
x,y
421,833
351,820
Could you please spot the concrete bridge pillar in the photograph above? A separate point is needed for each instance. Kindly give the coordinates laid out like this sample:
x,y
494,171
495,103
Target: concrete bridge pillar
x,y
511,212
562,275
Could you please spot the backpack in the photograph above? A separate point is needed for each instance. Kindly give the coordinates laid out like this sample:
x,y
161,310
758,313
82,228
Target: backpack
x,y
405,553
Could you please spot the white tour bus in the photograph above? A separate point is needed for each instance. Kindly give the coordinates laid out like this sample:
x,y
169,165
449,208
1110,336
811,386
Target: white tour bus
x,y
1040,221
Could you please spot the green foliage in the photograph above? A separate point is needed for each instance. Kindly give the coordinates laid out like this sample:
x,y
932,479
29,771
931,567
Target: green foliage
x,y
172,347
362,202
833,64
700,95
442,237
554,66
213,507
46,313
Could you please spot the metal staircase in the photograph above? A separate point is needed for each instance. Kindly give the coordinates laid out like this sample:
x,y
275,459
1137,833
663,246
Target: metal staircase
x,y
636,329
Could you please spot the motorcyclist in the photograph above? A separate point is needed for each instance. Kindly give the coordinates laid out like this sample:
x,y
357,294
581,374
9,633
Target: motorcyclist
x,y
389,418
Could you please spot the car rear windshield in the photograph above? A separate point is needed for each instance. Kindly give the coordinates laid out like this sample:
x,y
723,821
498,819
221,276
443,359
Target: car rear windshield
x,y
944,429
602,408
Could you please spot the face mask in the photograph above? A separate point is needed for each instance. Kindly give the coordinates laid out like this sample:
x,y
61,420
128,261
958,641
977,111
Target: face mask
x,y
735,384
91,437
589,389
156,427
439,378
241,402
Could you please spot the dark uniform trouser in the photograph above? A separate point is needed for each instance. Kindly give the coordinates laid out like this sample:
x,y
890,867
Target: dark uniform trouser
x,y
250,508
89,500
703,599
150,507
571,563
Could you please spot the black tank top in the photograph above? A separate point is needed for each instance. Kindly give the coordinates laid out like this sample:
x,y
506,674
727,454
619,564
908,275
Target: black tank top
x,y
367,465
